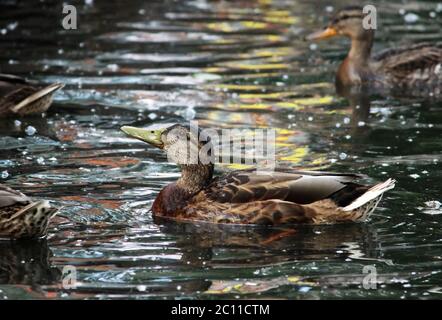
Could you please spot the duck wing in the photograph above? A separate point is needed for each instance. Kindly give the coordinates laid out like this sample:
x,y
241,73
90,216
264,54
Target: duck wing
x,y
300,187
10,197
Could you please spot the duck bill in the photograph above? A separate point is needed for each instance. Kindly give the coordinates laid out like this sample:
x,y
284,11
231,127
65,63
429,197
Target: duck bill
x,y
152,137
322,34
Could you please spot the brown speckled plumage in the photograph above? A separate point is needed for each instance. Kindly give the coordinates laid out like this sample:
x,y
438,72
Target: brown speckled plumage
x,y
19,97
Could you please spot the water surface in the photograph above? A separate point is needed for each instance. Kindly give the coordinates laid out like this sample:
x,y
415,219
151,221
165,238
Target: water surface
x,y
227,64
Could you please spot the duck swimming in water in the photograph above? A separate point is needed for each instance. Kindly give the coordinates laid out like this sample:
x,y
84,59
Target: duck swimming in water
x,y
246,197
417,66
21,217
20,97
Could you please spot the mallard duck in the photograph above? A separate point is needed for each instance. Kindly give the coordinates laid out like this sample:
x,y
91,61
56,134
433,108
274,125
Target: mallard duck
x,y
246,197
27,262
21,217
418,65
20,97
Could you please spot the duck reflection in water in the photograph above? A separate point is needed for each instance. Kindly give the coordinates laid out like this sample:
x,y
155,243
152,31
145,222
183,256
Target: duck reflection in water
x,y
271,245
216,246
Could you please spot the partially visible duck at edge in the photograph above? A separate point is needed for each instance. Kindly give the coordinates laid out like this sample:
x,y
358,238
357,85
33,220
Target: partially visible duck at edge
x,y
21,97
246,197
414,66
21,217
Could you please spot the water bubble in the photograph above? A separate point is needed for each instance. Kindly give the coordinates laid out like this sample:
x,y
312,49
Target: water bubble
x,y
30,130
190,113
432,14
17,123
402,11
3,31
361,123
346,120
313,46
40,160
411,17
152,116
310,118
415,176
141,11
329,8
433,204
4,174
60,51
178,288
342,156
338,125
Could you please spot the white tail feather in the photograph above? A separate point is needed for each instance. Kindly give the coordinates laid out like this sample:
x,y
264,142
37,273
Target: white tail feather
x,y
372,193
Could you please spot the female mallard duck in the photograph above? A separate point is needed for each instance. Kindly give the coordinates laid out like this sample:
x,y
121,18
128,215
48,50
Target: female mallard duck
x,y
245,197
21,97
414,66
20,217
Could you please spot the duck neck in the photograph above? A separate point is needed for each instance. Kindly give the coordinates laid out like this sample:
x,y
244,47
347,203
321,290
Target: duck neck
x,y
360,51
194,177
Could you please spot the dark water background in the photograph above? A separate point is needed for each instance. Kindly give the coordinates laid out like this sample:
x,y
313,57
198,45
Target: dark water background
x,y
226,64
